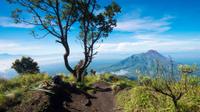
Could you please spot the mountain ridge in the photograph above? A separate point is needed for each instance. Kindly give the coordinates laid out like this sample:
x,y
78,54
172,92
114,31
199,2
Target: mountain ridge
x,y
145,63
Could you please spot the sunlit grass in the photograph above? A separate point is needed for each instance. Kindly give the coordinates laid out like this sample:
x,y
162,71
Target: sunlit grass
x,y
12,90
138,97
141,98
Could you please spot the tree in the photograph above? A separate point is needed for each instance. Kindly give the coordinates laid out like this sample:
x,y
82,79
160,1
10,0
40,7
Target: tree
x,y
173,85
26,65
56,17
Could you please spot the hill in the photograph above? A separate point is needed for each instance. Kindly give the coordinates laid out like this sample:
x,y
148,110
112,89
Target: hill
x,y
98,93
145,63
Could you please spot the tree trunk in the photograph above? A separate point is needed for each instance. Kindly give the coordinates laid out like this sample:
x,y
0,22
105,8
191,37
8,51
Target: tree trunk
x,y
67,64
78,78
176,104
78,72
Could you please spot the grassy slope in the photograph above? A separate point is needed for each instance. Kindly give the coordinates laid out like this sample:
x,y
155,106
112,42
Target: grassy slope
x,y
11,91
137,98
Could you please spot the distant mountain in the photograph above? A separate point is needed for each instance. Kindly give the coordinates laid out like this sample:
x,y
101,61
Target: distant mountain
x,y
145,63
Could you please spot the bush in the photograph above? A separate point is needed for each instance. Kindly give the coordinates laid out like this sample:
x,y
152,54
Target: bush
x,y
143,98
194,80
140,99
191,101
91,79
144,80
26,65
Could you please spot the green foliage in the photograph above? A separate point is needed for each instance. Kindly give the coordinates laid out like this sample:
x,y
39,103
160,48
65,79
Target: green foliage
x,y
3,99
26,65
12,90
194,80
144,80
91,79
144,98
23,81
117,80
105,77
56,17
172,85
138,98
191,100
187,68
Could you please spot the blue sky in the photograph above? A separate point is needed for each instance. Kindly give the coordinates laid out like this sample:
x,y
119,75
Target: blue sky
x,y
170,26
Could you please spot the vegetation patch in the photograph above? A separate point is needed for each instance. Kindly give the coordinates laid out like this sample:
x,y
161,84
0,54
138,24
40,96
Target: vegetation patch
x,y
11,91
142,98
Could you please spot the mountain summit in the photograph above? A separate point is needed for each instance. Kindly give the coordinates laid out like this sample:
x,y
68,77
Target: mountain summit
x,y
145,63
154,52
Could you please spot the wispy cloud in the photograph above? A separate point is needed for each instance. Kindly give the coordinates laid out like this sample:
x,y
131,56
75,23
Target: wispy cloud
x,y
5,65
8,22
14,47
43,60
163,43
145,24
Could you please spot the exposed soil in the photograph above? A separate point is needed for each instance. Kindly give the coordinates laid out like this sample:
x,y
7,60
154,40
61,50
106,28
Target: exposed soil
x,y
34,102
69,99
103,100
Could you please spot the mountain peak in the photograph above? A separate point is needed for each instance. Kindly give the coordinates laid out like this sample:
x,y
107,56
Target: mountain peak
x,y
144,62
152,51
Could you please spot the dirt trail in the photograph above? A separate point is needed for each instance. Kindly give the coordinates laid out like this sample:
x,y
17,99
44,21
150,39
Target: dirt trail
x,y
103,101
75,101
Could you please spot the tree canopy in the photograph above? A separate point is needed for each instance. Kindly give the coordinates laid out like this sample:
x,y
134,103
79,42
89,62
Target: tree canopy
x,y
56,17
26,65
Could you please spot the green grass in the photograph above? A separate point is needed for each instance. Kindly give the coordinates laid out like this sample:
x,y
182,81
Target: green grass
x,y
138,98
12,90
142,98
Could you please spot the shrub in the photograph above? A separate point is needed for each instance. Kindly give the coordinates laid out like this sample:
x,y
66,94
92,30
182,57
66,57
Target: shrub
x,y
191,100
140,99
91,79
26,65
144,98
144,80
194,80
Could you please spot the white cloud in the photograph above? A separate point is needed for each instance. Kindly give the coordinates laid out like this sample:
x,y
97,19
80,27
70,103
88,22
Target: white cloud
x,y
152,41
43,54
120,72
8,22
6,62
145,24
5,65
43,60
14,47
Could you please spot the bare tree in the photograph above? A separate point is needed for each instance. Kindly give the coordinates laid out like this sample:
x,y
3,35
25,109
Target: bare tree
x,y
56,17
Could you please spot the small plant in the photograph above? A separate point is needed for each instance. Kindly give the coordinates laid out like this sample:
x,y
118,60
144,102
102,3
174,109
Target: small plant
x,y
26,65
144,80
